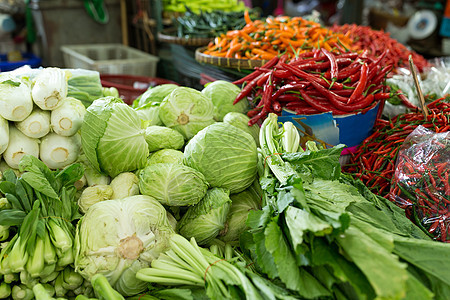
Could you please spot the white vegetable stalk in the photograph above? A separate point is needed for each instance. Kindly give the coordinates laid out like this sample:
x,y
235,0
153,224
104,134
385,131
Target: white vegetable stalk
x,y
66,120
4,134
49,88
15,98
19,145
59,151
36,125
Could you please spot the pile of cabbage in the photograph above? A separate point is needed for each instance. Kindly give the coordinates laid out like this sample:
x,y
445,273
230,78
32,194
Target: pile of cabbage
x,y
177,161
39,117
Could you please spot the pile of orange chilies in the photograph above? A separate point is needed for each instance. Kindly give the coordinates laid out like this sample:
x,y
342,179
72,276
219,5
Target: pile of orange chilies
x,y
276,36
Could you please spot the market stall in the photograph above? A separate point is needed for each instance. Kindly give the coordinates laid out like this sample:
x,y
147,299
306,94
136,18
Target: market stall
x,y
302,160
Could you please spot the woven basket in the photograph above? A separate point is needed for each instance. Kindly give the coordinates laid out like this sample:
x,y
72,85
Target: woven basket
x,y
225,62
168,36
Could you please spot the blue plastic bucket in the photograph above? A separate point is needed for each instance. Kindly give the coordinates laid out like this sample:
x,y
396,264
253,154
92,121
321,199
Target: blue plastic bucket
x,y
350,129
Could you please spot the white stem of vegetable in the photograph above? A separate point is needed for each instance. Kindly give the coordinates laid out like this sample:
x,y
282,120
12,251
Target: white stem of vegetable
x,y
59,151
4,134
66,120
49,88
19,145
15,98
36,125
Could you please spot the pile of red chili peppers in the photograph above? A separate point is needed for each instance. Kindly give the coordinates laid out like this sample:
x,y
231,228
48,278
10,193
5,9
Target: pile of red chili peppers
x,y
376,42
374,161
315,82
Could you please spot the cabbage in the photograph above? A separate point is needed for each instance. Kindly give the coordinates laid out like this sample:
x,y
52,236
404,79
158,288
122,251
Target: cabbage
x,y
226,155
124,185
170,156
117,238
206,219
172,184
241,121
155,94
149,113
94,194
160,137
241,205
187,111
222,94
112,138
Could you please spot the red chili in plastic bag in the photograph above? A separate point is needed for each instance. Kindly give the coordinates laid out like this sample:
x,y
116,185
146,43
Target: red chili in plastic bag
x,y
421,181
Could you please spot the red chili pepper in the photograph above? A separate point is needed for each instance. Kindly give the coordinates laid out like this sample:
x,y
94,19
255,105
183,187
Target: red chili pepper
x,y
310,77
357,92
288,98
405,100
247,89
289,87
255,74
333,64
317,105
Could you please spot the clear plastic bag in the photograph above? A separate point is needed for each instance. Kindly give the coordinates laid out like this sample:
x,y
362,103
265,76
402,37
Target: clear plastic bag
x,y
421,181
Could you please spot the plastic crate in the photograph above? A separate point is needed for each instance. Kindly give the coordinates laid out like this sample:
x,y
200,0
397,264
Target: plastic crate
x,y
110,59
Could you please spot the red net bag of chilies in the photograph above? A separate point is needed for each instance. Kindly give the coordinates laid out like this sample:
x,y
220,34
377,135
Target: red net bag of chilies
x,y
421,181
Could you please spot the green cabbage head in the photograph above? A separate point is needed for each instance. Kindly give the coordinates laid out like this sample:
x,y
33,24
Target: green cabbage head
x,y
207,218
112,138
149,113
241,205
172,184
222,94
241,121
226,155
170,156
187,111
119,237
155,94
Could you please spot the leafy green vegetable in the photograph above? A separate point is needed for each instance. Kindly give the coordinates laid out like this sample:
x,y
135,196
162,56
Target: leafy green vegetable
x,y
207,218
222,94
187,111
226,155
240,120
154,94
333,234
160,137
166,156
117,238
112,138
172,184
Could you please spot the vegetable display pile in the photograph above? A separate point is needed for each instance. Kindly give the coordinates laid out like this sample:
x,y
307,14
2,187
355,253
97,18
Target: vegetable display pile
x,y
319,226
180,6
314,82
182,196
275,36
209,24
374,161
38,118
376,42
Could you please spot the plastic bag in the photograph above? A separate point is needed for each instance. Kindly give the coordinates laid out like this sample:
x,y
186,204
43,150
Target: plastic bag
x,y
421,181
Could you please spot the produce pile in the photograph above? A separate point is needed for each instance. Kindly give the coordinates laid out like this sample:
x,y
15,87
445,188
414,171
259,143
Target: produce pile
x,y
276,36
180,6
376,42
314,82
177,196
374,163
37,118
209,24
